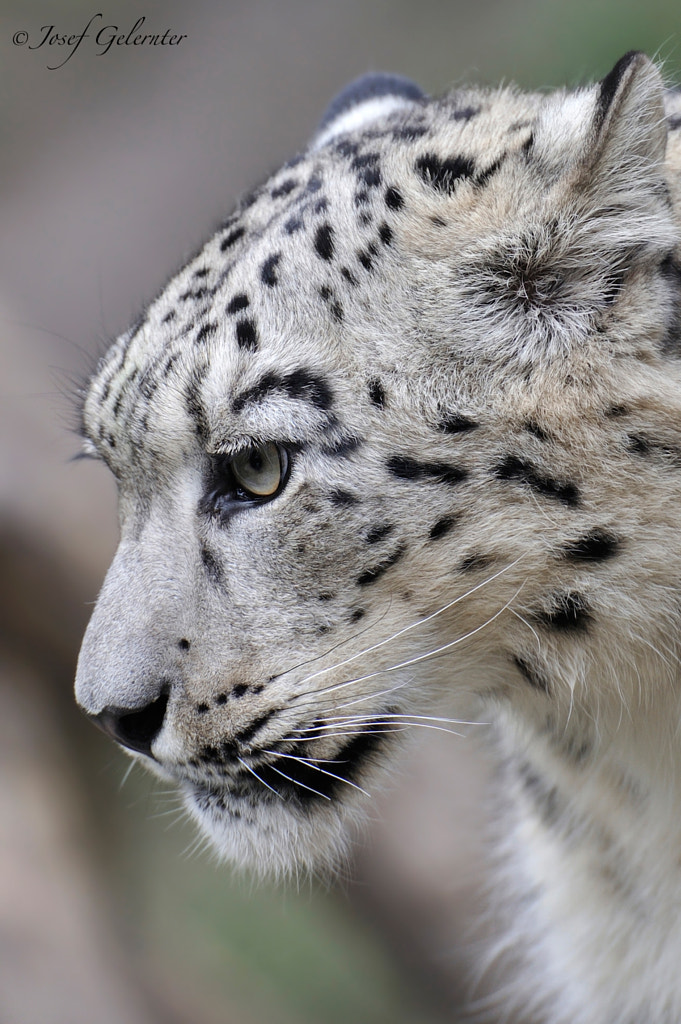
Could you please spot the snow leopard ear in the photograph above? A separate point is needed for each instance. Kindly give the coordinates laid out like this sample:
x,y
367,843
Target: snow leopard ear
x,y
604,148
614,130
363,101
629,119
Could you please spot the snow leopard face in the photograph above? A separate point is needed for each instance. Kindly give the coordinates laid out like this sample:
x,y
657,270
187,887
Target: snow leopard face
x,y
388,435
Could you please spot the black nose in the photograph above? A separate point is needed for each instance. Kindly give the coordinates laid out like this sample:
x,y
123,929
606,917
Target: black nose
x,y
137,729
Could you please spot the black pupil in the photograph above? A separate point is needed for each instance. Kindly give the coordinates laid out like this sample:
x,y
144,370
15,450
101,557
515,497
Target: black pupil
x,y
255,460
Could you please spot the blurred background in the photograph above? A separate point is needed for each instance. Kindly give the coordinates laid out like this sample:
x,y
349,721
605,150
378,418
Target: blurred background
x,y
113,168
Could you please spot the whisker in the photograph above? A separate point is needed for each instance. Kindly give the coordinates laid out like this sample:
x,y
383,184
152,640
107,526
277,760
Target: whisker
x,y
334,647
419,657
310,762
126,775
265,784
413,625
407,718
301,784
350,732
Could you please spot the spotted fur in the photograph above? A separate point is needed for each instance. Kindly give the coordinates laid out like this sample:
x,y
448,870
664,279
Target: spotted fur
x,y
456,322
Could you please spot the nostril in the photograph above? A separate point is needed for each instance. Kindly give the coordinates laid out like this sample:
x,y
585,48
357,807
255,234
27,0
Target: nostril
x,y
136,730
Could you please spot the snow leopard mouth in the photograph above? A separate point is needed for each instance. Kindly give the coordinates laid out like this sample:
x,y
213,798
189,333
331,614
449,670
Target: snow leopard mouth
x,y
294,776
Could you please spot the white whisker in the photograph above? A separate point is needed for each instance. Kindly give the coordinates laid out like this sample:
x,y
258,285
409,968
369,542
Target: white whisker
x,y
414,625
262,781
419,657
301,784
310,763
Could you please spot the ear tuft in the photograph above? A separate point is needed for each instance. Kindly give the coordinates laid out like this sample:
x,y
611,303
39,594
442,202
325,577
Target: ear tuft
x,y
365,100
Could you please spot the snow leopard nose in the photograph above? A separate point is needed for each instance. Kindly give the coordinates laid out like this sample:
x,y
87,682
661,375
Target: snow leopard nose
x,y
137,728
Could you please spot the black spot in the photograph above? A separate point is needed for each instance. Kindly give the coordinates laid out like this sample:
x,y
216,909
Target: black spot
x,y
377,533
349,276
203,272
385,234
343,446
393,198
546,798
300,385
375,573
183,644
284,189
365,219
335,307
570,614
617,410
533,677
194,405
231,238
358,614
533,428
341,498
221,699
238,303
246,735
371,176
442,527
513,468
239,690
409,132
325,597
292,225
323,241
406,468
205,332
321,206
482,177
596,546
169,316
200,293
474,562
465,113
444,175
250,198
246,334
361,197
527,145
211,564
314,183
365,160
365,259
346,148
674,122
645,446
169,364
377,393
201,709
457,424
268,274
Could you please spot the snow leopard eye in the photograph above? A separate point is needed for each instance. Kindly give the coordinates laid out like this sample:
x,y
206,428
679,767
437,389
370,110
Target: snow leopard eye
x,y
253,476
259,471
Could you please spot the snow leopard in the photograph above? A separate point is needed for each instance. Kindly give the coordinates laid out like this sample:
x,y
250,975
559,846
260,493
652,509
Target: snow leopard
x,y
407,429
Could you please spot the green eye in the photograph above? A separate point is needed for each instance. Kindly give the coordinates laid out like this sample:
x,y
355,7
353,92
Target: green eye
x,y
259,471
